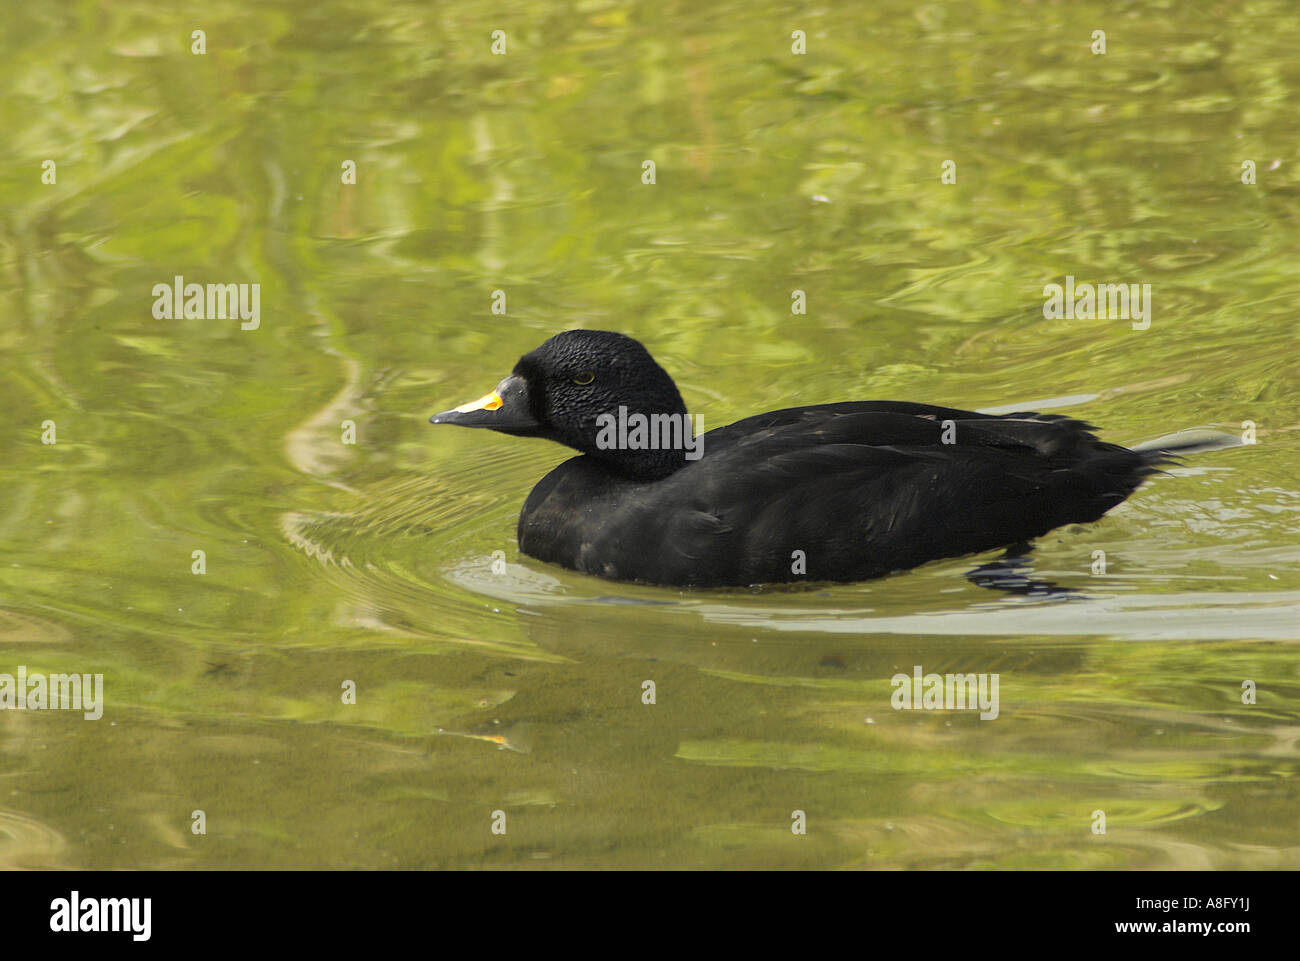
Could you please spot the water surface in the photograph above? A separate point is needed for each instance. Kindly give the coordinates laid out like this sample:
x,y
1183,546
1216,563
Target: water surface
x,y
519,689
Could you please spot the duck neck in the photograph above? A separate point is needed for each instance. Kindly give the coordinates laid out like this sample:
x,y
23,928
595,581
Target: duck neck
x,y
640,445
642,465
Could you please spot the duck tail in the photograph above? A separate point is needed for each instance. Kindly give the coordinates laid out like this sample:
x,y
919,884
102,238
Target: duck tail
x,y
1173,447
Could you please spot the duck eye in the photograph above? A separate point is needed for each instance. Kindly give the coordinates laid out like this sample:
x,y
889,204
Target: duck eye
x,y
583,378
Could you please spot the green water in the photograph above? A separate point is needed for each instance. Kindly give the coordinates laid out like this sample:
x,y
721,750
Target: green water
x,y
520,690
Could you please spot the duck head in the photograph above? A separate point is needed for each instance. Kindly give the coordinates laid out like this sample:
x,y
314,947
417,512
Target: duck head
x,y
570,390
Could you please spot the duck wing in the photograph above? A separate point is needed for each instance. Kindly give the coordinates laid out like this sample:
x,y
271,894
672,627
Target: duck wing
x,y
866,488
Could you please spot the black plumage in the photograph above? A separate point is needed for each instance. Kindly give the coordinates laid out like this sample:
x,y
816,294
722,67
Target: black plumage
x,y
861,488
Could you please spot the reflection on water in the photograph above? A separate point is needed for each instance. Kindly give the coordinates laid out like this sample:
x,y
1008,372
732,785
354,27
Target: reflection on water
x,y
487,681
27,843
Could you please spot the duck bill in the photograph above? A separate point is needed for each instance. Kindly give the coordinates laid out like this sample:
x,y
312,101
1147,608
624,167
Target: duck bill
x,y
505,409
